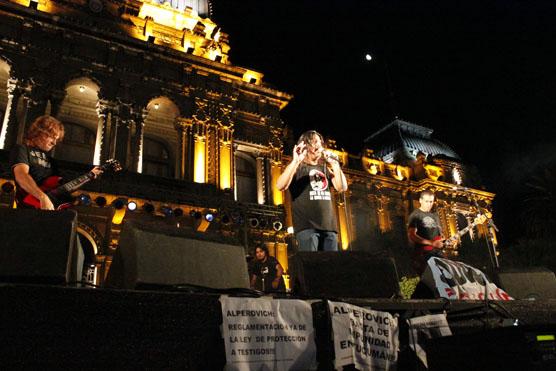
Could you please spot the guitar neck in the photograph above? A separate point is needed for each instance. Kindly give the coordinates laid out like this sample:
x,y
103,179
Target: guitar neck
x,y
75,184
461,233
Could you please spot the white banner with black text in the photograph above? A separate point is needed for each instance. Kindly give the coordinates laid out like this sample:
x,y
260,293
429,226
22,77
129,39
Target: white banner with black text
x,y
364,337
268,334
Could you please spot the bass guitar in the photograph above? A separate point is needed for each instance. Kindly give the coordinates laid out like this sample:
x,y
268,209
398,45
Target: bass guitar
x,y
59,194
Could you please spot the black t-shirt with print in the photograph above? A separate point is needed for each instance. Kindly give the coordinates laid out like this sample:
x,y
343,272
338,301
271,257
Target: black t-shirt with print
x,y
427,224
312,199
266,270
41,166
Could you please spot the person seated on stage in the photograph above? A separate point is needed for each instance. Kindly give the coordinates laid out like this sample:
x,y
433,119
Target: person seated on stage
x,y
31,162
266,272
424,233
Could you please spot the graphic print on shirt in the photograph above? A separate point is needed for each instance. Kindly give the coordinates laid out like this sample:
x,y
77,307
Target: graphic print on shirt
x,y
40,159
319,185
429,222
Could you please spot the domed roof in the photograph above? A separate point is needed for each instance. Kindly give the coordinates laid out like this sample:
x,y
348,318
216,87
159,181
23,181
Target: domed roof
x,y
401,140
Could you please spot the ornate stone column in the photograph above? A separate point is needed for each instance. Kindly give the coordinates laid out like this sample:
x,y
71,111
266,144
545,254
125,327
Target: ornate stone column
x,y
139,117
184,128
10,113
226,158
102,142
200,152
261,183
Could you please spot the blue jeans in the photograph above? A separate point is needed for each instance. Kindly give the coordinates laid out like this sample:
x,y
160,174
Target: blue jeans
x,y
317,240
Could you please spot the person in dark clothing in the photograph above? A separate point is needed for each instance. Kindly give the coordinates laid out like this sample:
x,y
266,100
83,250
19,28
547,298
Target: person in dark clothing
x,y
31,162
266,272
308,178
424,232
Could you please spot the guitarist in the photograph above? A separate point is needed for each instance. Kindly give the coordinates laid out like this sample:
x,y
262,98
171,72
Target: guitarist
x,y
31,162
424,232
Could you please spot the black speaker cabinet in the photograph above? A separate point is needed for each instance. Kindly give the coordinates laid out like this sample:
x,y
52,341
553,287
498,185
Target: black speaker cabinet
x,y
39,246
344,274
533,283
147,258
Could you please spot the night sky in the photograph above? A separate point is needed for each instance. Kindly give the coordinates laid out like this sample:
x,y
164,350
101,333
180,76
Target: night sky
x,y
482,74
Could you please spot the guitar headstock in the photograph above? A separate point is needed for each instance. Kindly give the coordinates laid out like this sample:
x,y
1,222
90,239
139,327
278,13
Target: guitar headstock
x,y
112,165
480,219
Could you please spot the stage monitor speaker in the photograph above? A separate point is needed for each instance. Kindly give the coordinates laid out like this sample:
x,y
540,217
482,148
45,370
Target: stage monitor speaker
x,y
147,258
38,246
344,274
533,283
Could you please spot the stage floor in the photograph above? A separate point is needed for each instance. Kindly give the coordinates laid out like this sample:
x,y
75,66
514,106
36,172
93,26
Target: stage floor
x,y
67,327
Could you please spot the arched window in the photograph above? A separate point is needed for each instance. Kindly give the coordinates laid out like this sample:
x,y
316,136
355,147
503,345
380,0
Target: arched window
x,y
156,158
78,144
246,178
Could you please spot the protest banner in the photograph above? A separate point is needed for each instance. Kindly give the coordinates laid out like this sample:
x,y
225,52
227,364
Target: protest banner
x,y
458,281
363,337
268,334
426,327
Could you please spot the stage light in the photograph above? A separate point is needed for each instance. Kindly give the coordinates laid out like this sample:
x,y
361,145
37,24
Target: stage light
x,y
225,219
290,230
82,88
148,208
119,203
132,205
167,211
209,217
84,199
8,187
195,214
368,57
156,106
277,225
254,222
178,212
100,201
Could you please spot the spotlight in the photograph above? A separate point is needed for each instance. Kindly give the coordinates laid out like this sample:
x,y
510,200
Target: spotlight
x,y
254,222
156,106
225,219
81,88
178,212
148,208
290,230
277,225
7,187
119,203
167,211
100,201
195,214
132,205
84,199
209,217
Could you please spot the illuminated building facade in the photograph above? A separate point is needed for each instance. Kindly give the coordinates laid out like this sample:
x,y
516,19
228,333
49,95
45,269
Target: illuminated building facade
x,y
150,83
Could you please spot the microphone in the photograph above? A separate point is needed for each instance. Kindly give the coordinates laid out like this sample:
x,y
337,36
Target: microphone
x,y
329,154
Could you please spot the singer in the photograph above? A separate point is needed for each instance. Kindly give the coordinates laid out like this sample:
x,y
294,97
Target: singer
x,y
308,178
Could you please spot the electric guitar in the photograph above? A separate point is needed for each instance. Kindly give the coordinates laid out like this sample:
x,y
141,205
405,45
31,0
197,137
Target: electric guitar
x,y
450,241
60,194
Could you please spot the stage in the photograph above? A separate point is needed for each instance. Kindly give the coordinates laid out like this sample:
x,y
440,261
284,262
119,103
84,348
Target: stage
x,y
78,327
